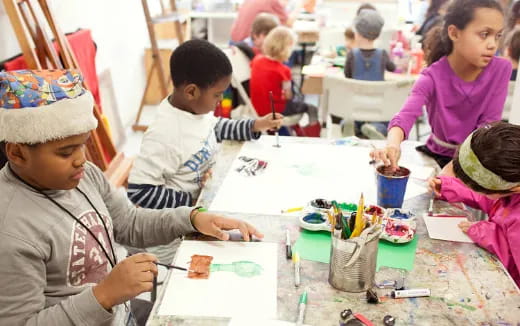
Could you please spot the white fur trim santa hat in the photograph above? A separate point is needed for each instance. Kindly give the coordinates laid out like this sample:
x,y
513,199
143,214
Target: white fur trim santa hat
x,y
37,106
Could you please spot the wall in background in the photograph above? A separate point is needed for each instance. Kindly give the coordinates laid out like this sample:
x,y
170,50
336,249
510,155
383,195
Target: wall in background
x,y
119,29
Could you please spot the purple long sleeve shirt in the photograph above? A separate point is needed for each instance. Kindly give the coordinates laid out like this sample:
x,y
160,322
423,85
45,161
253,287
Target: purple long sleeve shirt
x,y
455,107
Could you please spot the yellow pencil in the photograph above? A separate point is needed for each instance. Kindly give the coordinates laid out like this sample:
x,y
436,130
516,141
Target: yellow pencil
x,y
292,210
374,219
359,224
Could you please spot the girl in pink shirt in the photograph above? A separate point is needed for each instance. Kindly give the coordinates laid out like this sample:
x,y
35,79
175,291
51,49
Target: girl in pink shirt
x,y
487,167
464,86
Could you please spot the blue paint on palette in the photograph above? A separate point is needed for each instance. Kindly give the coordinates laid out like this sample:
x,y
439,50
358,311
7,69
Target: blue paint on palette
x,y
314,218
402,215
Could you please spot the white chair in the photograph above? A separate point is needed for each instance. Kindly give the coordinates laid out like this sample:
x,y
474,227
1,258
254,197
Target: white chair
x,y
241,73
509,101
359,100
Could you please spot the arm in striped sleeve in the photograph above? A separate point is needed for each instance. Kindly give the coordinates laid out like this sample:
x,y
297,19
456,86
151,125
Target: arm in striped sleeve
x,y
157,197
235,129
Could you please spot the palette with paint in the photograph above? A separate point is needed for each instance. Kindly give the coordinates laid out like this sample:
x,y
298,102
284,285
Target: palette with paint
x,y
315,221
316,215
400,214
374,209
398,225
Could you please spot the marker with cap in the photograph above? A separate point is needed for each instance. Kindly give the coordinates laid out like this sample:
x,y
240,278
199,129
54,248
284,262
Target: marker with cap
x,y
301,309
296,260
288,250
411,293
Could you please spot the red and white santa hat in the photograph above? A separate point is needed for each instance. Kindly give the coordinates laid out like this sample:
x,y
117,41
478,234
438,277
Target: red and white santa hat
x,y
37,106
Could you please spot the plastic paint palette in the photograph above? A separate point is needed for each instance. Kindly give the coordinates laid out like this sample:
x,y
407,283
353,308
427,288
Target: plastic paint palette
x,y
399,225
315,221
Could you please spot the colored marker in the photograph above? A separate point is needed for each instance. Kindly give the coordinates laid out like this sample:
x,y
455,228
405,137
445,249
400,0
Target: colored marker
x,y
411,293
346,230
288,251
292,210
364,320
296,260
301,308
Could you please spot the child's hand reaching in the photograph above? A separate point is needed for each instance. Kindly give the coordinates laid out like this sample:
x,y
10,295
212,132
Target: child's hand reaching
x,y
389,156
464,226
434,185
128,278
268,123
215,225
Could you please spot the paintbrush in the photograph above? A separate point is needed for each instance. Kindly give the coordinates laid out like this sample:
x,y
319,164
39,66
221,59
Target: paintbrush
x,y
274,118
374,148
430,209
176,267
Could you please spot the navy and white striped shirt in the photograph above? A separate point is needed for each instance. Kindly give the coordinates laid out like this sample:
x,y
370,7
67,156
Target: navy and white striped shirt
x,y
177,150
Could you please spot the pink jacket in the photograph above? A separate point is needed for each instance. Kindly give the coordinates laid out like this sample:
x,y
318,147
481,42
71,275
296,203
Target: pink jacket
x,y
500,234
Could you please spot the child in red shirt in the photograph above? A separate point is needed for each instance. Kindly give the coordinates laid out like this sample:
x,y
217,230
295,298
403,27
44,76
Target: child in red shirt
x,y
269,74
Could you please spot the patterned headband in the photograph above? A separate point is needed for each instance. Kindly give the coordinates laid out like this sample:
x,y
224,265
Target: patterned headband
x,y
471,165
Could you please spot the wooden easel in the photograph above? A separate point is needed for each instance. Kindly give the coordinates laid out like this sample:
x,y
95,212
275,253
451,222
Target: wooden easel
x,y
31,19
167,15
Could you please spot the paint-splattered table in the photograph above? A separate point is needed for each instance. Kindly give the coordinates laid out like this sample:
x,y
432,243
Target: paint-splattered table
x,y
468,285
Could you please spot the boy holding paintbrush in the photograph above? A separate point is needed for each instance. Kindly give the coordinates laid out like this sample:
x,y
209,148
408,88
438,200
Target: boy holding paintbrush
x,y
179,148
60,216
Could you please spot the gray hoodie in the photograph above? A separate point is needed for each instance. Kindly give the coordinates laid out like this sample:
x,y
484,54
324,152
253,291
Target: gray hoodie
x,y
50,262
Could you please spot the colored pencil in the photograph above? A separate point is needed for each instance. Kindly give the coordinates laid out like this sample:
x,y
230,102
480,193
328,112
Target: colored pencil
x,y
358,228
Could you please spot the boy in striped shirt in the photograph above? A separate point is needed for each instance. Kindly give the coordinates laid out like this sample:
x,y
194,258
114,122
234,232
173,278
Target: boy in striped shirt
x,y
179,147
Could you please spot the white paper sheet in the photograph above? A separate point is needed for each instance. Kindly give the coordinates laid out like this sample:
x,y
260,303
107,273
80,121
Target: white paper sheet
x,y
446,228
224,294
298,173
241,321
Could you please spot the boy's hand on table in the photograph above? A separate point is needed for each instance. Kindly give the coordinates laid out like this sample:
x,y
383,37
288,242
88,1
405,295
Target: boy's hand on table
x,y
434,185
215,225
128,278
268,123
464,226
389,156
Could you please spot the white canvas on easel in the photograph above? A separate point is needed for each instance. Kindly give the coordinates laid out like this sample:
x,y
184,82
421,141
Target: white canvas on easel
x,y
223,294
297,173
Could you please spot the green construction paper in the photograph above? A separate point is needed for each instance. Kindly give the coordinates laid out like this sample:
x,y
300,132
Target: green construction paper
x,y
313,245
396,255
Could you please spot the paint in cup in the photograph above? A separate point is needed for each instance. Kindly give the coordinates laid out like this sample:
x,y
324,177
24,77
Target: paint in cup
x,y
391,186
